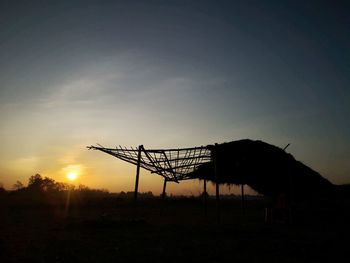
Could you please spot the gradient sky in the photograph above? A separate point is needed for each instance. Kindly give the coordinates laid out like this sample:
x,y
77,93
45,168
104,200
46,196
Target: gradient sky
x,y
170,74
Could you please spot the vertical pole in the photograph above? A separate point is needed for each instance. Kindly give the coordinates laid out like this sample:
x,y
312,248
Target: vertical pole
x,y
163,196
290,191
290,198
205,196
242,198
217,192
217,189
164,189
138,172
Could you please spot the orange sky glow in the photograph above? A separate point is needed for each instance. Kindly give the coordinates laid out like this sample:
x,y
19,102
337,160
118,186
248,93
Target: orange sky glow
x,y
170,75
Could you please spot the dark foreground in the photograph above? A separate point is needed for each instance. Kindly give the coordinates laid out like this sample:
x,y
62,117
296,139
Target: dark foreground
x,y
171,231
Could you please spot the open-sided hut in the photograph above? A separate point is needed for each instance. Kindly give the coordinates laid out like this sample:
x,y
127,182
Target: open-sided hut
x,y
267,169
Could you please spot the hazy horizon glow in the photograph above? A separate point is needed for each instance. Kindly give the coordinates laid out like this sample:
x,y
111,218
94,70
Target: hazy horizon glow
x,y
170,74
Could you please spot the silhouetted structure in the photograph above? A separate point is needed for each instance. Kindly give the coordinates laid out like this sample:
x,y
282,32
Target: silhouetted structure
x,y
267,169
173,165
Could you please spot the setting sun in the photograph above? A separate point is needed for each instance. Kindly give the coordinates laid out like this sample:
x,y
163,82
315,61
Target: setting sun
x,y
72,171
72,176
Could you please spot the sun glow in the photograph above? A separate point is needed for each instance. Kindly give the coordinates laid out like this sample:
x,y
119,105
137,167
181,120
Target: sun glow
x,y
72,176
73,172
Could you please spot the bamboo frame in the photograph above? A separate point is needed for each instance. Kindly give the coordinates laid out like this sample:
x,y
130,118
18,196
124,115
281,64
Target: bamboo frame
x,y
172,164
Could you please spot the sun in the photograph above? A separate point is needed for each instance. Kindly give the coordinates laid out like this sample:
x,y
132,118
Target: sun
x,y
73,172
72,176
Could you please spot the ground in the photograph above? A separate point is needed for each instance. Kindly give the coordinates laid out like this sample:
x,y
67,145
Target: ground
x,y
175,230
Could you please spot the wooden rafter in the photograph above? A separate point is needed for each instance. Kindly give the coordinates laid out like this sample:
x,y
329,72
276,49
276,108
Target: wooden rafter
x,y
172,164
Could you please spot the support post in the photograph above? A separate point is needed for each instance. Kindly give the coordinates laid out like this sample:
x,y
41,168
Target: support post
x,y
205,196
163,197
164,188
217,189
217,192
243,198
138,172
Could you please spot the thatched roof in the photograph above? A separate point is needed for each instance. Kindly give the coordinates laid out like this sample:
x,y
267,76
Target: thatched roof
x,y
266,168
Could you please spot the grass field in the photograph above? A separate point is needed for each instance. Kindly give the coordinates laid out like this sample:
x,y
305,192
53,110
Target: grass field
x,y
117,230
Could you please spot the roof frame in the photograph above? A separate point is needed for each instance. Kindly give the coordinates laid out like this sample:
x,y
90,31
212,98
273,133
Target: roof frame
x,y
172,164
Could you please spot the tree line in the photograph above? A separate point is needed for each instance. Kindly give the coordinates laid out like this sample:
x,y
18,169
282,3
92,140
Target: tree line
x,y
37,183
46,191
42,189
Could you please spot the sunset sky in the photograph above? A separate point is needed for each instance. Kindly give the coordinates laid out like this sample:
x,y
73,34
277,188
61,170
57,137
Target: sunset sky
x,y
170,74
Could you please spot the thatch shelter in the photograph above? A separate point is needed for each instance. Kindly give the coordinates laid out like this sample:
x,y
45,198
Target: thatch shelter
x,y
267,169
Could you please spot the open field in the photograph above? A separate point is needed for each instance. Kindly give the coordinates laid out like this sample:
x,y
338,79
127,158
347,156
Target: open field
x,y
117,230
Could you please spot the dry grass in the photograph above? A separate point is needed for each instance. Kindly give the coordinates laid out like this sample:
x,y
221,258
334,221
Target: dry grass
x,y
172,231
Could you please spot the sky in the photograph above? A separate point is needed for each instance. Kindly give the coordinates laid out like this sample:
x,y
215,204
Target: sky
x,y
170,74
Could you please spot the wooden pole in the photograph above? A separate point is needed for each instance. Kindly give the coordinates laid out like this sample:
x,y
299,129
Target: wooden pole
x,y
217,192
164,188
205,196
290,192
163,197
138,172
217,189
242,198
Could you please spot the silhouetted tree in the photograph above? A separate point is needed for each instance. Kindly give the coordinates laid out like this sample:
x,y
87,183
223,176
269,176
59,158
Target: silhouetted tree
x,y
82,187
63,186
49,185
2,189
18,185
37,183
148,194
